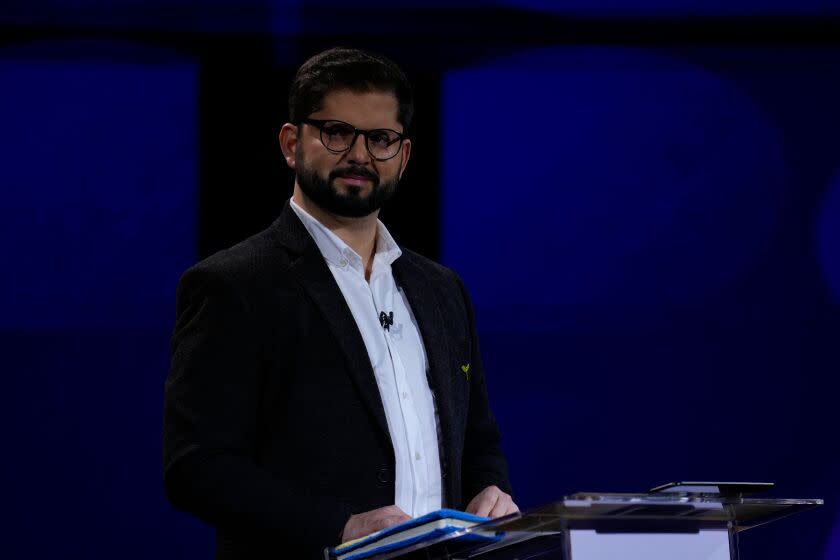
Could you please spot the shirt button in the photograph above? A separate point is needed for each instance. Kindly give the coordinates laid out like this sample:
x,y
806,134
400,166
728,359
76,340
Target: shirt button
x,y
417,455
404,395
342,263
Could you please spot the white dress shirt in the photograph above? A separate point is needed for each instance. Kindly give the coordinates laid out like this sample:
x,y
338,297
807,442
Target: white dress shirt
x,y
398,358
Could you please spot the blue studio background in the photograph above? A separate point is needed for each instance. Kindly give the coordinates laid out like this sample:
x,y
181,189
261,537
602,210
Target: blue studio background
x,y
643,197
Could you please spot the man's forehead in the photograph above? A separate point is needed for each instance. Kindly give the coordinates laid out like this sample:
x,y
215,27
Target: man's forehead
x,y
368,109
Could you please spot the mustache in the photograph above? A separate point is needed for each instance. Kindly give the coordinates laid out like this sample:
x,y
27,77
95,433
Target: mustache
x,y
356,171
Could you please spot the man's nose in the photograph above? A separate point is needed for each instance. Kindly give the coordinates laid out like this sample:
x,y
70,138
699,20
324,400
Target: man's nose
x,y
358,150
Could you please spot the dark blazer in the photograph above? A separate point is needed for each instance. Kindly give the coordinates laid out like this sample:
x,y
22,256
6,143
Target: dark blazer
x,y
274,431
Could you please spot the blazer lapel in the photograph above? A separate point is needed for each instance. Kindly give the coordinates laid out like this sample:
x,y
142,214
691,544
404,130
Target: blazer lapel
x,y
426,309
313,274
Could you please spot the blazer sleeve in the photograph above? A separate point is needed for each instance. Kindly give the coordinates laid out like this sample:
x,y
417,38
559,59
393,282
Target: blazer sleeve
x,y
211,405
483,463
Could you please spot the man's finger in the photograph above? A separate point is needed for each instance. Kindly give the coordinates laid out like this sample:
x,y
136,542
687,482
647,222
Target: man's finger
x,y
501,507
486,504
472,507
394,510
399,518
363,524
388,516
483,502
385,522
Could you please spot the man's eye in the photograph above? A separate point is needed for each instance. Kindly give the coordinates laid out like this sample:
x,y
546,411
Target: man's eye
x,y
382,138
338,130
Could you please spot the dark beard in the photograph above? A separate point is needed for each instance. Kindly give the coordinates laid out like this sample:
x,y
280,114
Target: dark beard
x,y
352,205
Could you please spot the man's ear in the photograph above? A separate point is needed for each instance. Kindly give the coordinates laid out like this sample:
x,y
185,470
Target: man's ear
x,y
288,143
406,153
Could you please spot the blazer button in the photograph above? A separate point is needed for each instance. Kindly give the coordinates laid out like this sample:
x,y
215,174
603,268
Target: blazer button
x,y
384,475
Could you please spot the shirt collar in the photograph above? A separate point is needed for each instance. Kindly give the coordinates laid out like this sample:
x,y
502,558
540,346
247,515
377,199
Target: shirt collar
x,y
337,252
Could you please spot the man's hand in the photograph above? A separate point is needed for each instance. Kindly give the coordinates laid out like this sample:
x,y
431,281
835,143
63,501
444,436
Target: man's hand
x,y
364,524
492,502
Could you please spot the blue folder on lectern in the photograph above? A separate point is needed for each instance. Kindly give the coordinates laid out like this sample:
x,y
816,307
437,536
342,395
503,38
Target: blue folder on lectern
x,y
428,527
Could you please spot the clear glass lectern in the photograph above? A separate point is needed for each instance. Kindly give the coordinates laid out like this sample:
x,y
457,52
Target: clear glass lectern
x,y
663,526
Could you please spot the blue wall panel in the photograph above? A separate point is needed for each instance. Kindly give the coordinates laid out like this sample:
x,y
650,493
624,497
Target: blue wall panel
x,y
638,231
98,221
828,235
636,160
100,193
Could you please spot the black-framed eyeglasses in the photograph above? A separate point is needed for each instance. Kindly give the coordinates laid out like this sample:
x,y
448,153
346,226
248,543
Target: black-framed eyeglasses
x,y
338,137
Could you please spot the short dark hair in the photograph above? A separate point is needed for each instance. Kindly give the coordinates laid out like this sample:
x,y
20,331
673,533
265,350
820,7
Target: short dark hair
x,y
347,69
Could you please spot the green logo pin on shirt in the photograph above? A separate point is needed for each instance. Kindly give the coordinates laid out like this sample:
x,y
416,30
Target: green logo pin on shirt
x,y
466,370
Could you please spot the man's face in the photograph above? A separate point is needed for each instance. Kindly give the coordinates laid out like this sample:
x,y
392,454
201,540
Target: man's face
x,y
352,183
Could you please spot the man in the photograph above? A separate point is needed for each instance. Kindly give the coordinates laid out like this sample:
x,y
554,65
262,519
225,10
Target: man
x,y
325,383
